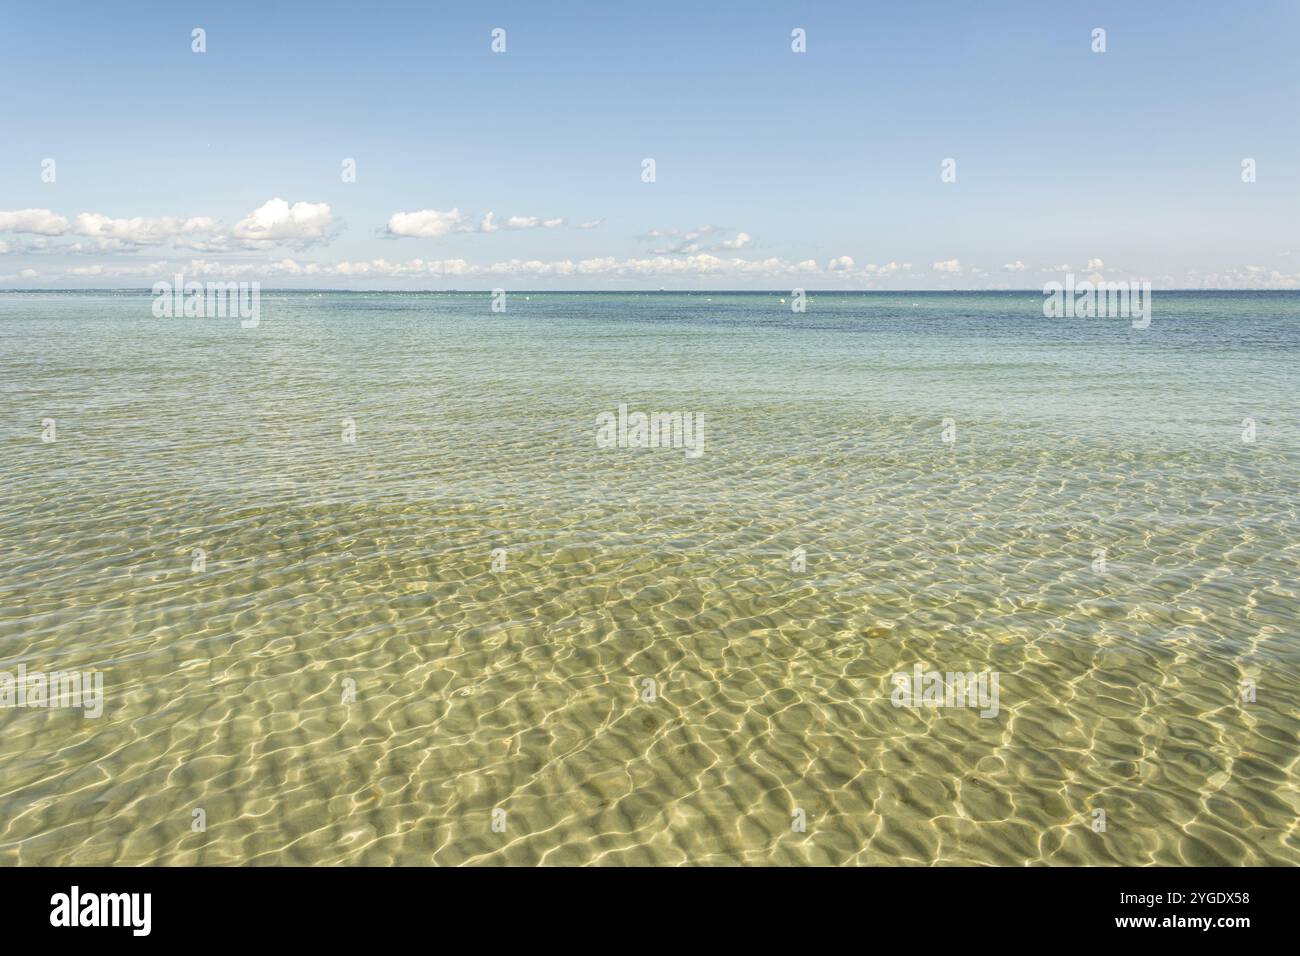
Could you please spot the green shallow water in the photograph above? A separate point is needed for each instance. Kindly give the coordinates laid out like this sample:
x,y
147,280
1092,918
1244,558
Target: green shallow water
x,y
331,565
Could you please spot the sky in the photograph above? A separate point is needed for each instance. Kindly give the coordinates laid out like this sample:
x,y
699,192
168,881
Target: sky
x,y
127,157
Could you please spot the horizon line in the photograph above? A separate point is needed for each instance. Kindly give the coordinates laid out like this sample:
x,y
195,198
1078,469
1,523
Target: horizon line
x,y
148,290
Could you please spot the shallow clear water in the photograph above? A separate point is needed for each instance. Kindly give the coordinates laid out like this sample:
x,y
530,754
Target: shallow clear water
x,y
329,565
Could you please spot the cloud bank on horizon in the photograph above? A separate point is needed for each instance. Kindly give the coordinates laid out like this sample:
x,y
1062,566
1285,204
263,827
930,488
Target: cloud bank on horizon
x,y
929,147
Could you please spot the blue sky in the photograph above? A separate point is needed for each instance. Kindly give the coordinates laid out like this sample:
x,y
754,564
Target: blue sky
x,y
773,169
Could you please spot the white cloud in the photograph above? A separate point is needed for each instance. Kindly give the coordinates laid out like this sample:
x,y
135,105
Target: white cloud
x,y
432,224
688,235
680,271
887,270
275,220
590,224
740,242
687,242
1016,266
140,231
39,221
522,222
947,265
840,264
656,267
427,223
1095,264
